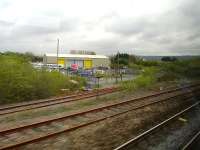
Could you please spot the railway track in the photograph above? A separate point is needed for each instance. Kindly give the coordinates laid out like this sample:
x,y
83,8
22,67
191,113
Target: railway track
x,y
51,102
31,133
191,142
130,144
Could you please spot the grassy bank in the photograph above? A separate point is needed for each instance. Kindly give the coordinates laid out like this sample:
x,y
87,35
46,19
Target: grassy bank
x,y
19,81
144,80
156,72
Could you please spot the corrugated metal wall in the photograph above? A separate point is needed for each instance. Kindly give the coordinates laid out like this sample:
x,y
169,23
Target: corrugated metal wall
x,y
101,62
82,63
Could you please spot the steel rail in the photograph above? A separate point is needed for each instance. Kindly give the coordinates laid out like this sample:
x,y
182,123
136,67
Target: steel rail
x,y
84,112
52,103
95,93
150,131
65,97
189,144
79,126
52,99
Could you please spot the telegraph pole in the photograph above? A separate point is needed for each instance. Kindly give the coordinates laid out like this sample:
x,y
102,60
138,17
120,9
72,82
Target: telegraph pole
x,y
118,62
57,50
117,70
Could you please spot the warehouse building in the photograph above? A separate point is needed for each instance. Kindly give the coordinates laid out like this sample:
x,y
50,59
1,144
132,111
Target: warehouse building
x,y
81,60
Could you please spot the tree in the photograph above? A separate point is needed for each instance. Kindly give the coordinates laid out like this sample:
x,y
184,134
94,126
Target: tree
x,y
169,59
27,55
123,58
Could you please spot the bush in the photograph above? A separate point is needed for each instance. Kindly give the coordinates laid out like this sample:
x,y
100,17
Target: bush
x,y
147,63
28,56
168,58
19,81
146,79
81,83
153,72
183,69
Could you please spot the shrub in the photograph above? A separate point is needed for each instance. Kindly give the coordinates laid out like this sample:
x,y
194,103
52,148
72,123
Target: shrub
x,y
81,82
147,63
146,79
153,72
183,69
19,81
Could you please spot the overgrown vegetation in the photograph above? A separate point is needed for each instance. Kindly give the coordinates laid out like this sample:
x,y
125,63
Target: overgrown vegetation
x,y
122,60
168,58
181,69
126,60
144,80
19,81
27,55
167,69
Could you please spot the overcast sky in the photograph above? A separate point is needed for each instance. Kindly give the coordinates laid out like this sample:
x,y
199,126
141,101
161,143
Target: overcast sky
x,y
142,27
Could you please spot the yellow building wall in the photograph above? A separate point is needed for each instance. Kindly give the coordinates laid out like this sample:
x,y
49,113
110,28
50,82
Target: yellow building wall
x,y
61,61
87,64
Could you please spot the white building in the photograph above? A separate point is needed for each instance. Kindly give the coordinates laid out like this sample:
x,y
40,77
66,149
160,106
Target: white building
x,y
82,60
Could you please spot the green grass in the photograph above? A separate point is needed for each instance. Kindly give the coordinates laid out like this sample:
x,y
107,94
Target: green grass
x,y
152,73
19,81
64,109
146,79
182,69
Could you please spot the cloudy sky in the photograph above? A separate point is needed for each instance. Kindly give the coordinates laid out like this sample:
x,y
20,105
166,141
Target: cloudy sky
x,y
142,27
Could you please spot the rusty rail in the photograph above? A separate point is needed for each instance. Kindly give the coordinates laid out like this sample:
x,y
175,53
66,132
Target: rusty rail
x,y
150,131
82,113
188,145
56,101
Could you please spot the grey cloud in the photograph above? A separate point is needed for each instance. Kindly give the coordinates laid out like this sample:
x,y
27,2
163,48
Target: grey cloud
x,y
30,30
110,43
193,36
68,25
4,4
128,26
5,29
31,37
34,30
174,30
27,35
5,24
190,9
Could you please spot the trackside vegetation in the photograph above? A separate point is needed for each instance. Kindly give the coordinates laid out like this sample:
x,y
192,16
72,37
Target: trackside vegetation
x,y
146,79
165,70
19,81
179,70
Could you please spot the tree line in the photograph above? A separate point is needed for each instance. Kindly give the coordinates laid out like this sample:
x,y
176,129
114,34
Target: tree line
x,y
27,55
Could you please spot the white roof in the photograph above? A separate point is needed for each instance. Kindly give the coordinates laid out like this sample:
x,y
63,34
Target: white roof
x,y
75,55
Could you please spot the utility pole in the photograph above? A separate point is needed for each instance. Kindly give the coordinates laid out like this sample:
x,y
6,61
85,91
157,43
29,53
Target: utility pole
x,y
117,71
57,50
118,62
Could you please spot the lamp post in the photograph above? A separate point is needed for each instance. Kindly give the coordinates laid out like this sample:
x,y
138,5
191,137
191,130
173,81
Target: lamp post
x,y
98,85
117,70
57,53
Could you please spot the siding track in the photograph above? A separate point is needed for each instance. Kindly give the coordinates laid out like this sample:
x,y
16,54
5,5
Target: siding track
x,y
19,136
189,144
55,101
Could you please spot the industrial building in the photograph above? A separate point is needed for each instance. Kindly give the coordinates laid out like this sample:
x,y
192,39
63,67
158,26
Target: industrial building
x,y
81,60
